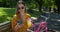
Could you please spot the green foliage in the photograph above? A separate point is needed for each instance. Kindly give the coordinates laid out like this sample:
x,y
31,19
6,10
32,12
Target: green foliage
x,y
1,0
33,13
31,3
48,3
8,3
6,14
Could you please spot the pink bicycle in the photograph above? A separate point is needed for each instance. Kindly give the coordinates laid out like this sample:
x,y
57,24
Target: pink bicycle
x,y
41,27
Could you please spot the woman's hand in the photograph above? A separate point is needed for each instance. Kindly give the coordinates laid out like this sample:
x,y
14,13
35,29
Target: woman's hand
x,y
17,27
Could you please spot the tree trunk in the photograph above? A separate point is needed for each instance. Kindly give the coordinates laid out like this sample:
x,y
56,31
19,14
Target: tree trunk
x,y
49,9
40,2
58,5
58,9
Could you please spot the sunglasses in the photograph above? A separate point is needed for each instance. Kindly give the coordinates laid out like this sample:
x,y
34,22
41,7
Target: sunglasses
x,y
18,8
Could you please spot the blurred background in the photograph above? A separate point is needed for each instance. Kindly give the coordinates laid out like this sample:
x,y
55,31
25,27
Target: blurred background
x,y
34,7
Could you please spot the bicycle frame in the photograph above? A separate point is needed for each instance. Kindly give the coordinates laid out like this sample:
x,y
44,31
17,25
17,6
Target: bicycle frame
x,y
42,25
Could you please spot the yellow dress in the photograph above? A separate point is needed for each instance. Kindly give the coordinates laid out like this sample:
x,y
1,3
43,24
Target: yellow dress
x,y
22,29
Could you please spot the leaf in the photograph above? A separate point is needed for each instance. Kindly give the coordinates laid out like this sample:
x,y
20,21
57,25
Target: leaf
x,y
1,0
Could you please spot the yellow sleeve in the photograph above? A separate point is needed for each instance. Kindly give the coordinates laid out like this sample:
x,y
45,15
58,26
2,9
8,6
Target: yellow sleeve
x,y
28,16
29,23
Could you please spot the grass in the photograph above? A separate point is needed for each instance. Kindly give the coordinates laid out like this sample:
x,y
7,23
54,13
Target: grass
x,y
6,14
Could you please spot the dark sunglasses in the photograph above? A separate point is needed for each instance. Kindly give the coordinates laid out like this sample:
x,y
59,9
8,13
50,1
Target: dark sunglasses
x,y
18,8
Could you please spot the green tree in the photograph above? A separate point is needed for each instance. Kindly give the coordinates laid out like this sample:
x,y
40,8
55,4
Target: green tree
x,y
57,2
8,3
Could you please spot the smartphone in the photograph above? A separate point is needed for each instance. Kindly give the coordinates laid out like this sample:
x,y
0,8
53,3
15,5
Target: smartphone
x,y
20,22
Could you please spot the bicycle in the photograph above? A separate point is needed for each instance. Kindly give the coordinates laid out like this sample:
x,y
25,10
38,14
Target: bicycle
x,y
42,26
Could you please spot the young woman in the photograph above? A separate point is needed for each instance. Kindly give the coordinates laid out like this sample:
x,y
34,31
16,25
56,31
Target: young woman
x,y
21,22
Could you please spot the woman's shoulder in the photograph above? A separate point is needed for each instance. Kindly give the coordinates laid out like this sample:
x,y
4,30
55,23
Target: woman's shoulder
x,y
15,17
28,15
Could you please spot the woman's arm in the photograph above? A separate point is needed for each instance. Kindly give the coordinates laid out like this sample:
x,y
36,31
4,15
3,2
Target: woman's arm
x,y
14,22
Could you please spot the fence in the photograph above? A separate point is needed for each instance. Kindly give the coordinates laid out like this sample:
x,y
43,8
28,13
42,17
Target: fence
x,y
5,26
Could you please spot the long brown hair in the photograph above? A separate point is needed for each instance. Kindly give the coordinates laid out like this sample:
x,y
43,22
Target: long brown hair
x,y
17,10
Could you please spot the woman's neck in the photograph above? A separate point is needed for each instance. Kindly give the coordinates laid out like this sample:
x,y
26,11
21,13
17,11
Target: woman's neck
x,y
20,16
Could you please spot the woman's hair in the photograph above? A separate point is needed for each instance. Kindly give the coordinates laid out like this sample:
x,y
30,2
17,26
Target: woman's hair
x,y
20,2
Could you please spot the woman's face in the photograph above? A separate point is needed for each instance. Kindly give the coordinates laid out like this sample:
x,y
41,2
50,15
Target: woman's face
x,y
21,8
